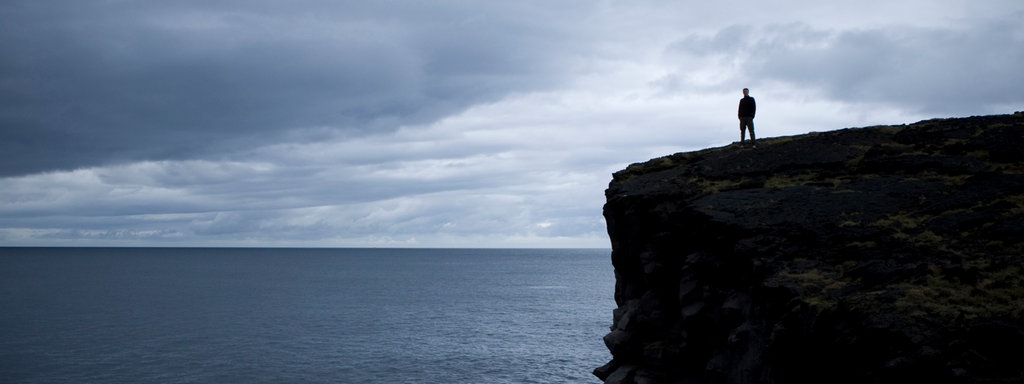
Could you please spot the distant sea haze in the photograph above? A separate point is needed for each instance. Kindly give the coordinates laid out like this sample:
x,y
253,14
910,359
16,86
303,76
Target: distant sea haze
x,y
181,315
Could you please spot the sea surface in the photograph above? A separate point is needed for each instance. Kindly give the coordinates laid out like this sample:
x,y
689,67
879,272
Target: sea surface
x,y
192,315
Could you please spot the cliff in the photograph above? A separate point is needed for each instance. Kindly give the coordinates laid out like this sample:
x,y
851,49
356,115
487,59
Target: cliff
x,y
887,254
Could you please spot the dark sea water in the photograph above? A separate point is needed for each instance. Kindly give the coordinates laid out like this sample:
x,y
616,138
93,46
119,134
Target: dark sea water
x,y
144,315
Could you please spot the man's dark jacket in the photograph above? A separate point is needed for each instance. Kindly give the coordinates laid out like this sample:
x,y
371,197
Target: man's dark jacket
x,y
747,107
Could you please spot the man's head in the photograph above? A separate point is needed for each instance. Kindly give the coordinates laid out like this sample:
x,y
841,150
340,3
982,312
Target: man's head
x,y
746,92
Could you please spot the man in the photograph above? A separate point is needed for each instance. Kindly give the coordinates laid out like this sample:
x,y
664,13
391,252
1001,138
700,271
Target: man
x,y
746,114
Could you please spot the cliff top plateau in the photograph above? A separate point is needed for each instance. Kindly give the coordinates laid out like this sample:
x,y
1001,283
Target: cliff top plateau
x,y
885,254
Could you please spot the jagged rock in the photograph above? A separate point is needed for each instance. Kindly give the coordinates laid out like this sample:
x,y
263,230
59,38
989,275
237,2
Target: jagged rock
x,y
887,254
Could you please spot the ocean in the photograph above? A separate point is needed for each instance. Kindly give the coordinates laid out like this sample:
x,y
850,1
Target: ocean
x,y
241,315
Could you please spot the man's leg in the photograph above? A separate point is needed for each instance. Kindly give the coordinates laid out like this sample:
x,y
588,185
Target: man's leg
x,y
750,125
743,129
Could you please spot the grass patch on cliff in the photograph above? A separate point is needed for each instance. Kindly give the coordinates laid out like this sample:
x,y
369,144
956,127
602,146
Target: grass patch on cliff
x,y
801,179
978,288
815,285
900,223
996,292
916,229
710,186
1017,202
637,169
913,230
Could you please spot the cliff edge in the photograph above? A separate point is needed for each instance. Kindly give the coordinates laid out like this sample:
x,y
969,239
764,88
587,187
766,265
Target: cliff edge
x,y
886,254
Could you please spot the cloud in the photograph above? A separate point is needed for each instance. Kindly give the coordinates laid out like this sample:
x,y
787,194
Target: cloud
x,y
90,83
438,185
970,68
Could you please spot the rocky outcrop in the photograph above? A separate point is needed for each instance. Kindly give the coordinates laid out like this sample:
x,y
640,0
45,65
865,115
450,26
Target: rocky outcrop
x,y
889,254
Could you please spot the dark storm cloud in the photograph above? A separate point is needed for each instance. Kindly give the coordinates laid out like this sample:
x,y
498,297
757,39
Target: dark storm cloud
x,y
960,69
86,83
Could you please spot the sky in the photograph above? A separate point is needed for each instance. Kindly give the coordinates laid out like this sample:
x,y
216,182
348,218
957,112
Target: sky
x,y
437,123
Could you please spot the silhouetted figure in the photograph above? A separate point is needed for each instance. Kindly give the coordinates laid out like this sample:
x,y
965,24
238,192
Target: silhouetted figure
x,y
746,113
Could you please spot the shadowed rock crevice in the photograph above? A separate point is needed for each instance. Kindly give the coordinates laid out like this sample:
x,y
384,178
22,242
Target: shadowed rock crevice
x,y
886,254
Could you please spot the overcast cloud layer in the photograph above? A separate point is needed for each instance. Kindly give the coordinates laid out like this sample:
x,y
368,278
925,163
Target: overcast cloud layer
x,y
437,123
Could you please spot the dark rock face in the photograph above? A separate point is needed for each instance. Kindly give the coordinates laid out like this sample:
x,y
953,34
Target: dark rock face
x,y
887,254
